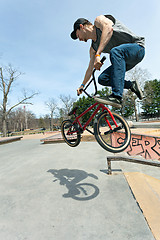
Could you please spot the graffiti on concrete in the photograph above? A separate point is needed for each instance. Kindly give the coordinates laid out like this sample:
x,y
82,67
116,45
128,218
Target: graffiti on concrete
x,y
146,146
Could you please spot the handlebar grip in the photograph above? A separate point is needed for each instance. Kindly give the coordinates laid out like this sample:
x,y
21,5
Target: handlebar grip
x,y
81,91
103,59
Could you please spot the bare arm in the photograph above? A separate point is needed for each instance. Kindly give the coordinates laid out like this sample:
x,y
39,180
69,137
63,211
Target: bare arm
x,y
105,25
88,71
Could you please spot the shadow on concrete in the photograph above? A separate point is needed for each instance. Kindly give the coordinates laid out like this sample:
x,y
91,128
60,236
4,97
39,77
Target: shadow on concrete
x,y
72,178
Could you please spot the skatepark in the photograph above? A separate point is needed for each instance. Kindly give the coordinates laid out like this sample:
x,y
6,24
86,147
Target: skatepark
x,y
52,191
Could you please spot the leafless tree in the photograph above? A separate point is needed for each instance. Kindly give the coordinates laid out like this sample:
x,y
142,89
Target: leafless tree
x,y
17,119
141,75
67,105
52,105
8,76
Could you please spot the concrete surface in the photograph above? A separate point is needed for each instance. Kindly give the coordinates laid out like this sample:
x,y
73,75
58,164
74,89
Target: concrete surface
x,y
146,124
146,131
62,193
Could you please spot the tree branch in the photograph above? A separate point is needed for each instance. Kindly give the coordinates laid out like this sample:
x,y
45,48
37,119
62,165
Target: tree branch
x,y
3,82
23,101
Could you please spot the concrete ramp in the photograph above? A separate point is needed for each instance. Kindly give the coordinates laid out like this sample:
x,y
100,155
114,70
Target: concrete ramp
x,y
146,190
144,145
4,140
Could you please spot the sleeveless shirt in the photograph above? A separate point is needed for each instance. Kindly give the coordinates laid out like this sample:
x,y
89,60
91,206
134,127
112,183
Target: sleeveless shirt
x,y
121,35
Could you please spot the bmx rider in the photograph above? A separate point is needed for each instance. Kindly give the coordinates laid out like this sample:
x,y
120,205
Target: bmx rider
x,y
126,50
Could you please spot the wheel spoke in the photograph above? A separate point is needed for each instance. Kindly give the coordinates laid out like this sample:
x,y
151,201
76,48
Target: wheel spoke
x,y
70,133
112,133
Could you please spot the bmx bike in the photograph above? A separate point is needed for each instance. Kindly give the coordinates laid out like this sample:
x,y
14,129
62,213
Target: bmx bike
x,y
108,125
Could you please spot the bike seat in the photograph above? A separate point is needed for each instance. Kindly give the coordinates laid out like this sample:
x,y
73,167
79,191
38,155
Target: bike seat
x,y
73,111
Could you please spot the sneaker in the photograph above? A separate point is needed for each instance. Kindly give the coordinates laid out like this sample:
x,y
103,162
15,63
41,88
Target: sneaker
x,y
136,89
109,100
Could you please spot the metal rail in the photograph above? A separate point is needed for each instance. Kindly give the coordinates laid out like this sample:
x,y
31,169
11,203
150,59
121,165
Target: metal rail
x,y
132,160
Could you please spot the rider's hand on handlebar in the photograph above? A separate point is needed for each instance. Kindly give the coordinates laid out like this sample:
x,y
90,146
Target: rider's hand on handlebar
x,y
97,63
80,90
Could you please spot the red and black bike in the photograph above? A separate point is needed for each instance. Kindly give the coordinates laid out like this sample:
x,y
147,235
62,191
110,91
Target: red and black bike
x,y
110,129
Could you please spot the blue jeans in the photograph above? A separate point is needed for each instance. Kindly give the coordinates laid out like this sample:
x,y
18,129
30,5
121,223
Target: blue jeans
x,y
123,58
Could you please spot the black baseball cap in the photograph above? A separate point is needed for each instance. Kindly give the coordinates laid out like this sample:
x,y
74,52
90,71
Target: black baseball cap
x,y
76,26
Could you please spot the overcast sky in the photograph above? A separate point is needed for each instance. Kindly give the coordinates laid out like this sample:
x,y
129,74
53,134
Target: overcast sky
x,y
35,39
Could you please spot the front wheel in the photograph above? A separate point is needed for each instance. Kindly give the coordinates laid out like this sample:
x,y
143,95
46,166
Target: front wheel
x,y
70,133
113,136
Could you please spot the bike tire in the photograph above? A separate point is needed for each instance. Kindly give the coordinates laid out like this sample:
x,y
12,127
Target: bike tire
x,y
70,134
115,140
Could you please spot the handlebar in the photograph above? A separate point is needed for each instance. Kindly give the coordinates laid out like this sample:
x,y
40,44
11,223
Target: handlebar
x,y
103,59
93,79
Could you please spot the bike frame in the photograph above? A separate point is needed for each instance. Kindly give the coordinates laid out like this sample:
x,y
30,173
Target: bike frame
x,y
93,115
99,106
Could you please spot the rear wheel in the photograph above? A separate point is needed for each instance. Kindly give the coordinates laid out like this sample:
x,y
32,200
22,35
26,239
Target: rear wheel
x,y
111,137
70,133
